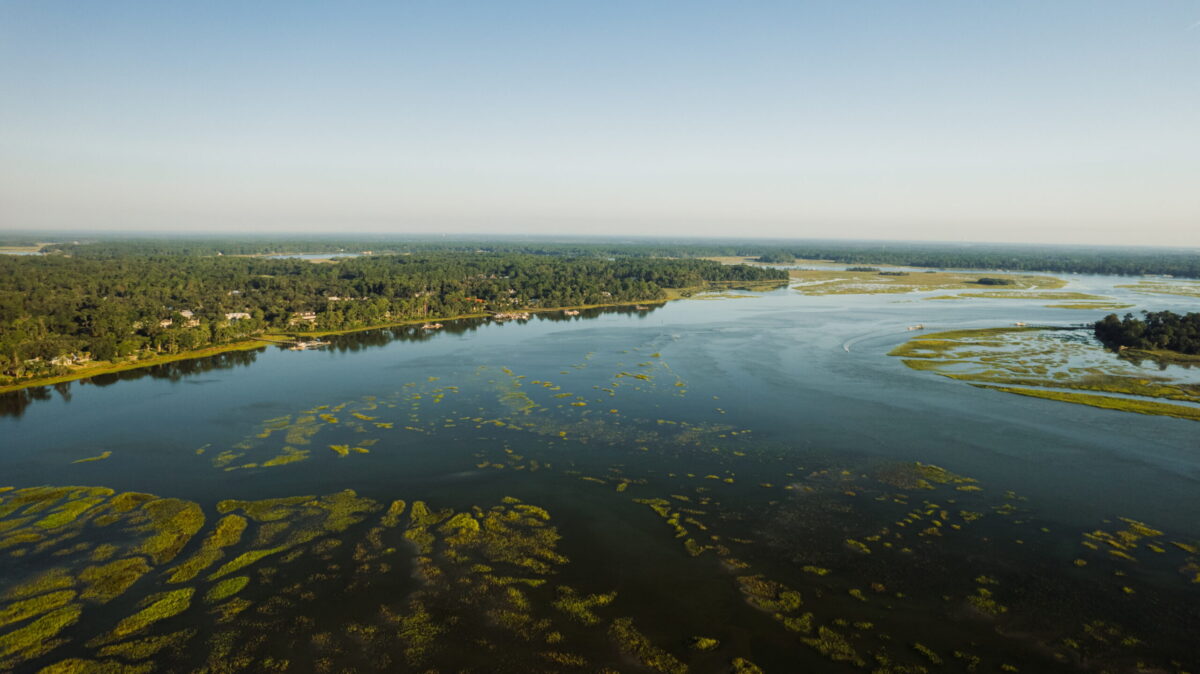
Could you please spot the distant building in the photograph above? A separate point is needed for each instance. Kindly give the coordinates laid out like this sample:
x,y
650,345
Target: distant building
x,y
236,316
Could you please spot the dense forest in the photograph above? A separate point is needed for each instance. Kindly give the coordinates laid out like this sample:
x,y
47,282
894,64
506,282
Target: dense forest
x,y
1070,259
56,309
1157,330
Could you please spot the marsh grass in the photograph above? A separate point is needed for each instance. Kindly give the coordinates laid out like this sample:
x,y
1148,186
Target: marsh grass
x,y
1108,402
841,282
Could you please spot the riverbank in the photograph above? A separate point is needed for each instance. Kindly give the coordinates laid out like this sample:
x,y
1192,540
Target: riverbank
x,y
105,367
1161,356
98,368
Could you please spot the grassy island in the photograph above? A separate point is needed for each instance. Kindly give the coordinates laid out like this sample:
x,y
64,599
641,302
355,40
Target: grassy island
x,y
1042,362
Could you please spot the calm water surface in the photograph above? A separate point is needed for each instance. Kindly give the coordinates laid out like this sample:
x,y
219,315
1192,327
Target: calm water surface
x,y
737,469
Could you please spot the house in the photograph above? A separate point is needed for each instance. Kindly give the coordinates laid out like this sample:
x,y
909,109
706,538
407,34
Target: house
x,y
303,317
236,316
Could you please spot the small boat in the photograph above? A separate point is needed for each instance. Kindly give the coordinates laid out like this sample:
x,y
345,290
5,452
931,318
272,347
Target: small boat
x,y
304,346
919,326
570,312
432,326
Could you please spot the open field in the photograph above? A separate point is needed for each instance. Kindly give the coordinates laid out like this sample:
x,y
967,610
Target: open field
x,y
23,249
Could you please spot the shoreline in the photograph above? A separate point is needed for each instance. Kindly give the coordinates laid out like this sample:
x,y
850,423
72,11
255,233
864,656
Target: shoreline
x,y
264,340
124,366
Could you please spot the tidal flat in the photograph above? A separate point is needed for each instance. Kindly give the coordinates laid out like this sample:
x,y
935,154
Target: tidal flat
x,y
703,486
848,282
1039,360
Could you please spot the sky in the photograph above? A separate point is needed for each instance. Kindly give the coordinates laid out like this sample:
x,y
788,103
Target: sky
x,y
1072,121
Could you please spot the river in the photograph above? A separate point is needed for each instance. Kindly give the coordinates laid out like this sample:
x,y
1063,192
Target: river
x,y
772,432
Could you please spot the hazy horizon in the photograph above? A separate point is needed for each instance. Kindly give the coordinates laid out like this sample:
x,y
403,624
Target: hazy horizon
x,y
1063,123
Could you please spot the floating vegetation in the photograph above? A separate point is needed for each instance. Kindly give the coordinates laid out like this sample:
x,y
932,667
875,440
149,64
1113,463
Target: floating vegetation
x,y
104,583
288,455
634,644
156,607
580,607
834,646
100,457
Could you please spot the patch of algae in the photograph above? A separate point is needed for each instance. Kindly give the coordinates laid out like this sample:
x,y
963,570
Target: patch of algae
x,y
227,532
109,581
226,589
834,646
420,518
744,666
54,579
71,511
634,644
313,517
515,535
80,666
580,607
155,608
1122,543
102,456
242,561
287,455
768,595
140,649
917,475
172,524
28,608
37,638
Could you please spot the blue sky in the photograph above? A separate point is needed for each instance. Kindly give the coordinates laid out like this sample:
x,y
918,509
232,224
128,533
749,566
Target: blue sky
x,y
1044,121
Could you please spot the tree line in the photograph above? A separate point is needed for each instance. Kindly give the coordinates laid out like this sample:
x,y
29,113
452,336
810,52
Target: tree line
x,y
1158,330
1013,257
56,308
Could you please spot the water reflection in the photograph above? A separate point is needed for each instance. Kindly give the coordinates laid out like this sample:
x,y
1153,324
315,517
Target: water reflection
x,y
15,403
357,341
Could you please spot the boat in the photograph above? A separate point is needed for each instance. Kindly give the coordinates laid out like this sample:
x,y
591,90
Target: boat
x,y
304,346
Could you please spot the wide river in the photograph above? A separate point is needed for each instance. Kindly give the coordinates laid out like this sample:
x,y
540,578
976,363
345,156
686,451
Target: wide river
x,y
741,473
